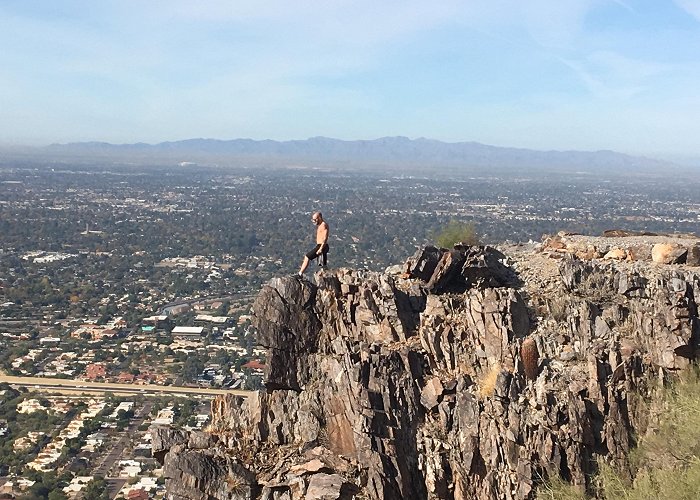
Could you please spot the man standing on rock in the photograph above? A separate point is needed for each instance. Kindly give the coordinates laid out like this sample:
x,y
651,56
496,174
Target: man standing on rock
x,y
321,248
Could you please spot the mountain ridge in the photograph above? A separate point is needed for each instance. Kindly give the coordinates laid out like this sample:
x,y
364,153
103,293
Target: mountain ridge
x,y
388,151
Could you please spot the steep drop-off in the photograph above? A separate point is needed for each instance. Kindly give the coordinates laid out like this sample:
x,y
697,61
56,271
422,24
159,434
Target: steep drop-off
x,y
463,374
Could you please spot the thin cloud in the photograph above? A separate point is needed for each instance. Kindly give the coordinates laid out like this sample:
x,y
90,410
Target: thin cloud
x,y
611,75
692,7
624,5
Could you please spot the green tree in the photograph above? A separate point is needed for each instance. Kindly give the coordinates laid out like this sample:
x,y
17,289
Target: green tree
x,y
457,232
96,489
192,367
57,495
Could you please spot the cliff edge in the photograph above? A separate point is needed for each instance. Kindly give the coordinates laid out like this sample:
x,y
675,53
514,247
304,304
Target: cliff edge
x,y
465,373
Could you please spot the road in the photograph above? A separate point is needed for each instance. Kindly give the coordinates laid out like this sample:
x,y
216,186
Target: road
x,y
121,442
147,389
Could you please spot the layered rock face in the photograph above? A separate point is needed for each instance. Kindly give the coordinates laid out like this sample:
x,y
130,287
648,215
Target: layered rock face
x,y
464,374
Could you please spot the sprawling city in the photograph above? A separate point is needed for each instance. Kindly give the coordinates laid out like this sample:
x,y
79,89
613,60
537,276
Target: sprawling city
x,y
125,291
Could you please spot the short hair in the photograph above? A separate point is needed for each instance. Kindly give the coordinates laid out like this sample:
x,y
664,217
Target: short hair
x,y
319,214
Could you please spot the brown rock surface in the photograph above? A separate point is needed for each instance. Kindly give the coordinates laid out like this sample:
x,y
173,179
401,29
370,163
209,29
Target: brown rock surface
x,y
668,253
383,387
615,254
531,358
618,245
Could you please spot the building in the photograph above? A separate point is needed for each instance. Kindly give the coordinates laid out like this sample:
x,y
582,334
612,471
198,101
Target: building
x,y
95,371
94,332
158,322
49,341
126,378
25,442
76,486
188,332
176,309
30,406
254,364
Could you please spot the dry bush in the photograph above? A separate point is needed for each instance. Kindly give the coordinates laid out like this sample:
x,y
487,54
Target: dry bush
x,y
487,384
558,489
666,465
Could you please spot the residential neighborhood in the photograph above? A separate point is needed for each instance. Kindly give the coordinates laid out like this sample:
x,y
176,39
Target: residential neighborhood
x,y
136,277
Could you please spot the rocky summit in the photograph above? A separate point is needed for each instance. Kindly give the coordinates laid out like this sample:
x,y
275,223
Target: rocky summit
x,y
473,372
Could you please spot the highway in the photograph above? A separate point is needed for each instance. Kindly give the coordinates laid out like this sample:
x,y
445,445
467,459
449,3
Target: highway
x,y
74,386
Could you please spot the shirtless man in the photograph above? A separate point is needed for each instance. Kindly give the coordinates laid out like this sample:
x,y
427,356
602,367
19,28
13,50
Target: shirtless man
x,y
321,248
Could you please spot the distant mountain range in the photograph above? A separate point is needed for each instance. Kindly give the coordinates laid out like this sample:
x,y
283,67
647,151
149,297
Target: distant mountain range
x,y
386,151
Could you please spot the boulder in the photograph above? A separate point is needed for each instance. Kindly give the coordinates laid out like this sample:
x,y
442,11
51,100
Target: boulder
x,y
668,253
615,254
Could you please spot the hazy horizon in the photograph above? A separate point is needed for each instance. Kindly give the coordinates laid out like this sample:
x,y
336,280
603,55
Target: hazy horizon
x,y
550,75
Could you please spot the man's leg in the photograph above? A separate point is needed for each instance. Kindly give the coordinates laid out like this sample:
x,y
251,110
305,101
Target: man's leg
x,y
304,265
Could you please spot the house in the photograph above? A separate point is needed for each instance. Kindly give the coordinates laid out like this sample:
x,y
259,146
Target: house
x,y
254,364
124,405
76,485
94,332
166,416
138,494
95,371
129,468
30,406
16,484
126,378
25,442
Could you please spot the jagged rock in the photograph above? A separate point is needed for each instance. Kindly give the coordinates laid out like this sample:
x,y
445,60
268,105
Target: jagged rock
x,y
447,272
639,252
164,437
422,265
311,466
693,258
461,268
616,233
431,393
289,332
205,475
621,233
325,487
384,387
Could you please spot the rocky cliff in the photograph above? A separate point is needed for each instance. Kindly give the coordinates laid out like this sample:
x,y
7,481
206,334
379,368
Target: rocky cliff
x,y
464,374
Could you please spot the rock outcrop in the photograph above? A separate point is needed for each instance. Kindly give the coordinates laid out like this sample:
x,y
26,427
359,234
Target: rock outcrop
x,y
626,245
466,374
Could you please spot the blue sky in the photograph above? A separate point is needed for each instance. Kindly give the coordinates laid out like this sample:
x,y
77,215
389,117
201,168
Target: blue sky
x,y
541,74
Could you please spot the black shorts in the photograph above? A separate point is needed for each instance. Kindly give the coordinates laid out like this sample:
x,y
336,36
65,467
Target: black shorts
x,y
312,254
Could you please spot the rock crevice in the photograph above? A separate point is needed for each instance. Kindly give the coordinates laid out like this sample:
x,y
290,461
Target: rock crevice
x,y
464,374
